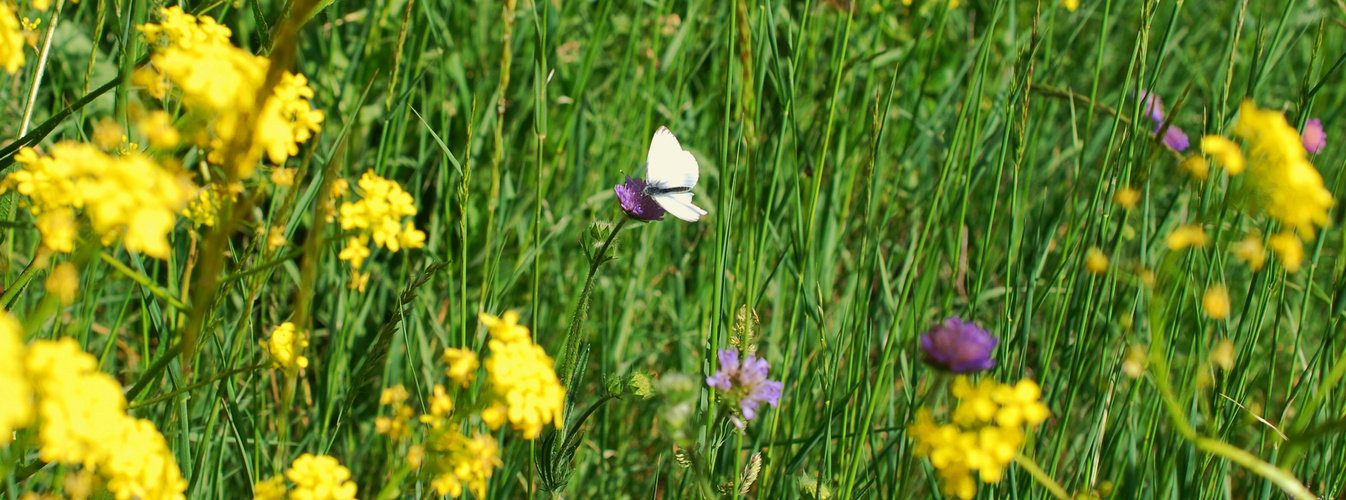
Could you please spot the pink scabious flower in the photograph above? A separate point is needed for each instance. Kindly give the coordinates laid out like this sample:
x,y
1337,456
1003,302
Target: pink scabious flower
x,y
744,385
1314,137
959,346
635,202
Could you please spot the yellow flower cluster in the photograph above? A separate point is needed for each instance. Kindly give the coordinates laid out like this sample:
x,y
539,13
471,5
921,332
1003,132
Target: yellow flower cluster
x,y
129,196
521,375
316,477
1288,186
378,216
11,40
395,426
986,434
81,417
204,209
222,82
286,346
463,463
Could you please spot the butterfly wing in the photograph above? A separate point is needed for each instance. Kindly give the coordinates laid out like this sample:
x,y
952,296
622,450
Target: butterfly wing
x,y
680,205
668,165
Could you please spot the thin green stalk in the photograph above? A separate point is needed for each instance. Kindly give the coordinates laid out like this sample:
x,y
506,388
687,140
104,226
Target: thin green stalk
x,y
1041,476
143,280
572,340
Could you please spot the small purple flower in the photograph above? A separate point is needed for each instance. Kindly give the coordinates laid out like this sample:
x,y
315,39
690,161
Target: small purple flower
x,y
1152,106
959,346
745,384
1314,137
635,202
1174,137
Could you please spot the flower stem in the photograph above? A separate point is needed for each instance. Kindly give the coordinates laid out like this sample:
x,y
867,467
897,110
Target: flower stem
x,y
143,280
1041,476
582,308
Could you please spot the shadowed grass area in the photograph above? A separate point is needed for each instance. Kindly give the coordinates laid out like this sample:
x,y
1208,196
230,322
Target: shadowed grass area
x,y
869,170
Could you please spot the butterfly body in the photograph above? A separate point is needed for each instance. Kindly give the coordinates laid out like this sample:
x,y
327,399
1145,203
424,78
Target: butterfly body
x,y
671,173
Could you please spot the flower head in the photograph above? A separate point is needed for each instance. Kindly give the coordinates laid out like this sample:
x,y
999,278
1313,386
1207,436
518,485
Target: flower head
x,y
15,389
1174,137
1291,189
286,347
1314,137
745,384
1151,105
378,216
635,202
320,478
959,346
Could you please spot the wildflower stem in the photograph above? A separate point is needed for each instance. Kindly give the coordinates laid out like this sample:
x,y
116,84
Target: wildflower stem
x,y
21,283
142,280
1041,476
41,68
193,387
582,308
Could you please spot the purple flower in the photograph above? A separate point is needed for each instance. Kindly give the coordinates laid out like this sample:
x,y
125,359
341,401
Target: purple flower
x,y
1314,137
1152,106
1174,137
744,384
959,346
635,202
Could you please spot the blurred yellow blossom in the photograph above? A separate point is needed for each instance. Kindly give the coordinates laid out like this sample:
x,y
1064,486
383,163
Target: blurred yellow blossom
x,y
15,389
1291,188
1126,197
1197,166
1223,355
282,176
1215,302
396,425
84,422
462,365
129,197
522,378
1288,249
506,328
204,209
275,238
378,216
222,81
1250,250
11,40
286,347
359,281
1191,235
270,489
460,463
108,134
1070,5
1095,262
1225,152
158,127
63,282
320,478
1136,360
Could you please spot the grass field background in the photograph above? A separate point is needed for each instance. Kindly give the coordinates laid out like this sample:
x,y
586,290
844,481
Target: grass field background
x,y
868,169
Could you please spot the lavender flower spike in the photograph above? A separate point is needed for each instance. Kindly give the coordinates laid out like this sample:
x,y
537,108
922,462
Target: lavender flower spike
x,y
635,202
959,346
1314,137
745,385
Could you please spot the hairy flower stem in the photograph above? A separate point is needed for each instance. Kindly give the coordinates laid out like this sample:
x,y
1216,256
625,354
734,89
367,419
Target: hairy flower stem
x,y
572,341
1041,476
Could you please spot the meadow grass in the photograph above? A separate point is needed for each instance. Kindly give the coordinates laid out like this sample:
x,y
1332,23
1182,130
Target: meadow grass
x,y
869,170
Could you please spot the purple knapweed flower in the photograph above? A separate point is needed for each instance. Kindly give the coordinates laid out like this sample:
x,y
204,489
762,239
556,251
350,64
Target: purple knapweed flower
x,y
1174,137
635,202
744,385
1314,137
959,346
1151,105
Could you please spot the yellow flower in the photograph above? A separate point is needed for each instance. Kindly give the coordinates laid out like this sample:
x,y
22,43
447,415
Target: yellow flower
x,y
1019,404
395,426
285,348
1289,249
15,390
204,209
1136,359
1126,197
63,282
1070,5
440,403
84,422
505,329
463,463
282,176
1095,262
1225,151
11,40
270,489
462,365
275,238
1216,302
359,281
1186,236
976,404
222,81
521,375
1291,188
158,127
129,196
320,478
1197,166
1250,250
378,216
108,134
1223,355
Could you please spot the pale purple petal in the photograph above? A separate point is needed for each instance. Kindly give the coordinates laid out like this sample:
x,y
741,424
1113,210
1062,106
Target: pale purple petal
x,y
635,202
959,346
1175,138
1314,137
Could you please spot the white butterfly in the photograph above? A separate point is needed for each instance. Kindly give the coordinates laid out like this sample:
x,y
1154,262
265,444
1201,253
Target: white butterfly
x,y
670,174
